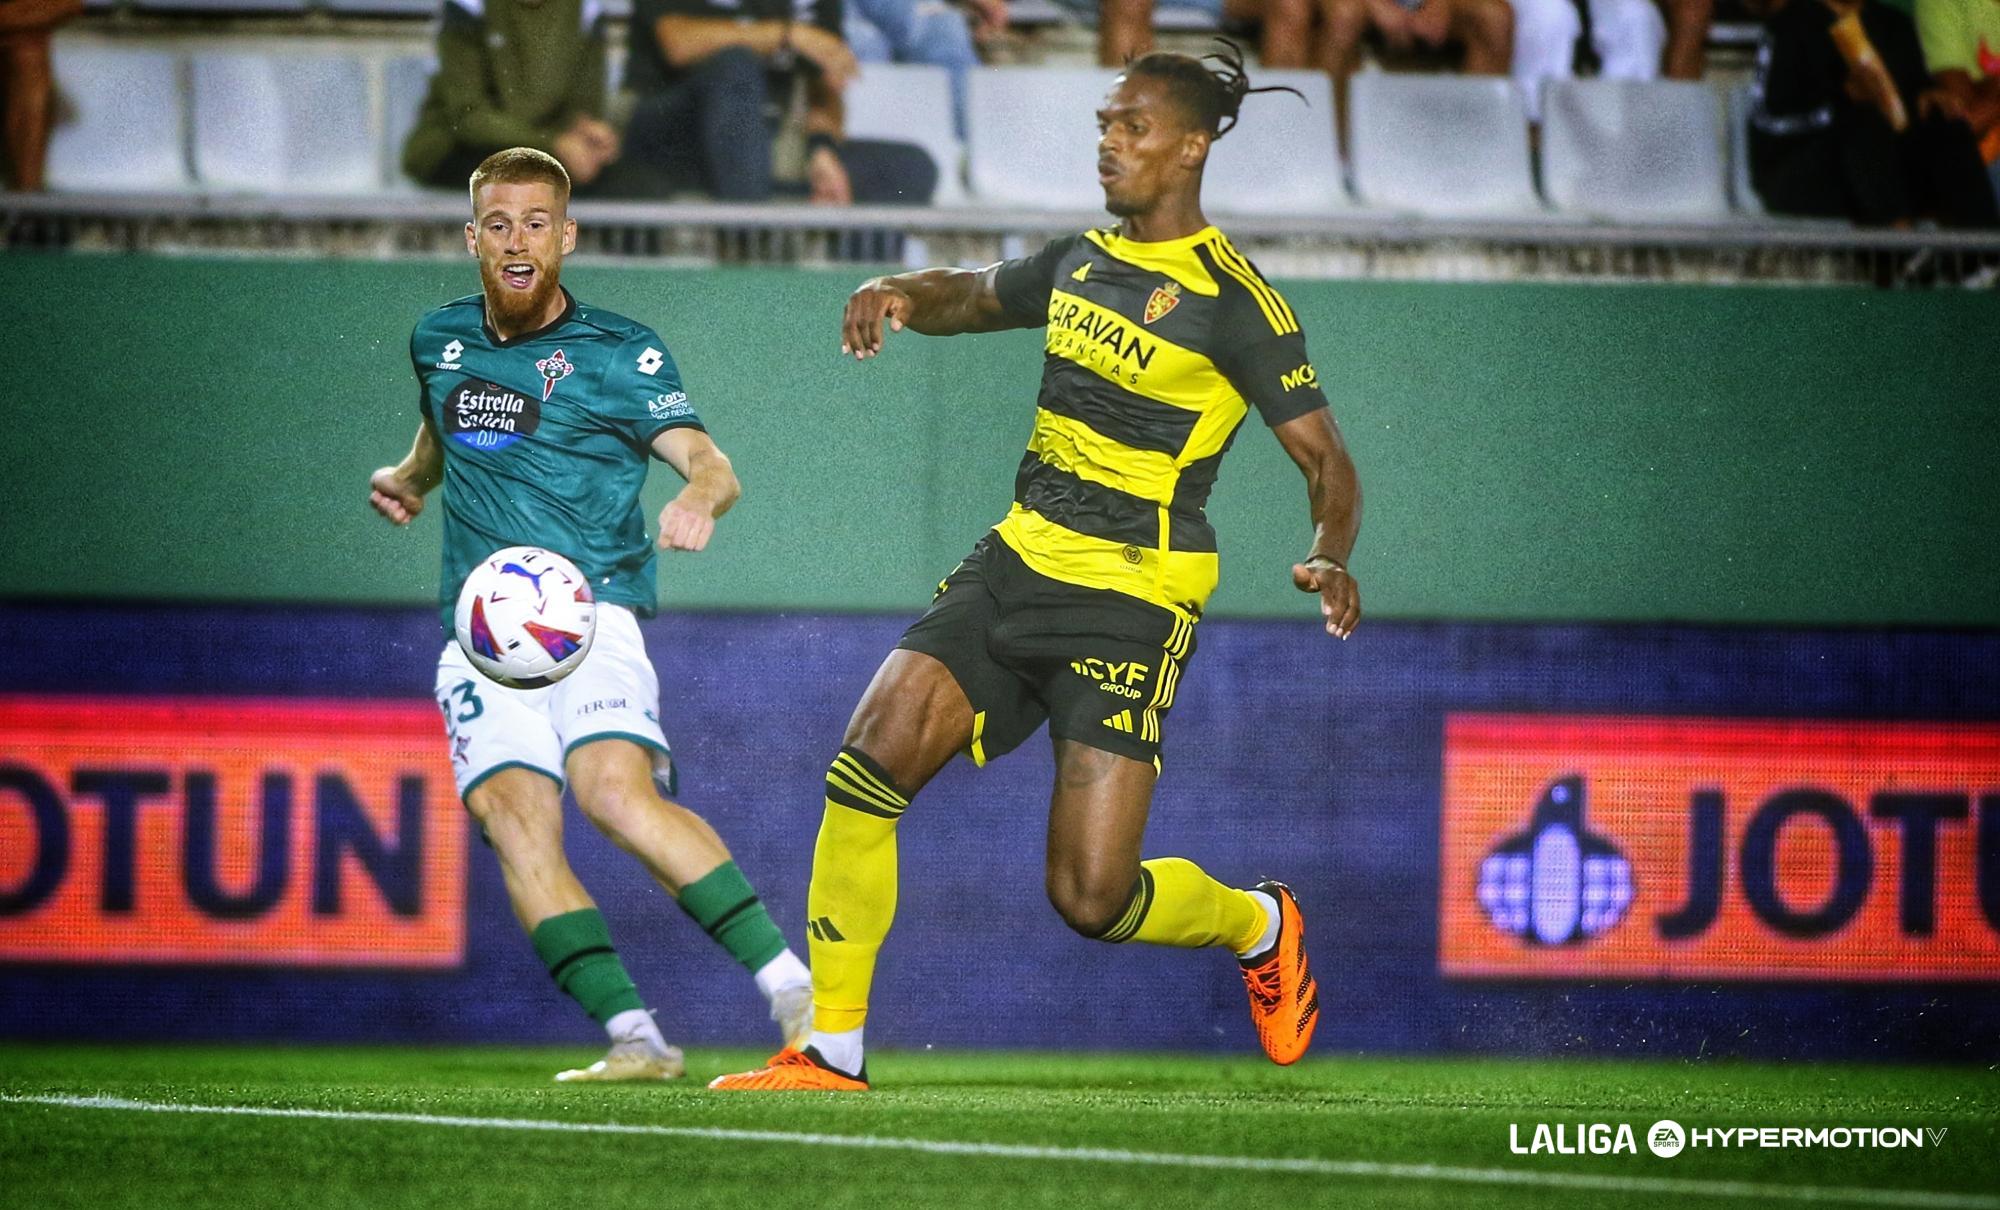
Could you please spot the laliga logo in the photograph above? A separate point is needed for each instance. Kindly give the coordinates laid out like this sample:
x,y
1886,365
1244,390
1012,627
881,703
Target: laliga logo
x,y
1556,883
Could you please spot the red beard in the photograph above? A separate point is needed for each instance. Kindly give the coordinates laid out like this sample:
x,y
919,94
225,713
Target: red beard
x,y
517,309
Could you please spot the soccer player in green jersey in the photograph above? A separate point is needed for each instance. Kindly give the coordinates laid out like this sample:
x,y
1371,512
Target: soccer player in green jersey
x,y
1080,607
540,415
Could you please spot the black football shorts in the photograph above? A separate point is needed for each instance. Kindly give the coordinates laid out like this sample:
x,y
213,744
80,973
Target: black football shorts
x,y
1100,666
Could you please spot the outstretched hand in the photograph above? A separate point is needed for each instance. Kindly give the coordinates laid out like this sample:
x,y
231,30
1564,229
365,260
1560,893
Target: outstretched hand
x,y
867,308
1339,594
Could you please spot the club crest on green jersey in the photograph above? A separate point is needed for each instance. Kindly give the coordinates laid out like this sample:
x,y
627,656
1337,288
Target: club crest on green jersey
x,y
555,367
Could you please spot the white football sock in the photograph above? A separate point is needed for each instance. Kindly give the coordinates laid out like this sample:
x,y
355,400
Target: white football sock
x,y
781,972
636,1024
1269,937
842,1051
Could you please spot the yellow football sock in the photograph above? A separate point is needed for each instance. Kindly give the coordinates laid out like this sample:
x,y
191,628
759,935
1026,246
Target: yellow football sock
x,y
1175,903
853,895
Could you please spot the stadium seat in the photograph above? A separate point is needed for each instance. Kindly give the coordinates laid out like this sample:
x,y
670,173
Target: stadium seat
x,y
276,122
1281,158
1442,146
124,129
1184,19
405,80
383,8
1037,12
1741,192
224,7
1033,136
912,103
1634,150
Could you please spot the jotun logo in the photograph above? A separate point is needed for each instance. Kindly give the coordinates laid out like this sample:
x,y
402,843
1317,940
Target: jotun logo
x,y
199,830
1699,848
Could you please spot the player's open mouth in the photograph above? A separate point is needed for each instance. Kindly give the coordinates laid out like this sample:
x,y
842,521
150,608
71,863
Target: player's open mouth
x,y
1106,172
518,275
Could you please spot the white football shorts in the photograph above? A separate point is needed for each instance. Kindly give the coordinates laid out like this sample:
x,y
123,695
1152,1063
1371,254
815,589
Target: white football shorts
x,y
614,694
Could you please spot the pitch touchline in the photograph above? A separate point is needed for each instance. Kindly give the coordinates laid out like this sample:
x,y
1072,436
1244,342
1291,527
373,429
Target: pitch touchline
x,y
1101,1155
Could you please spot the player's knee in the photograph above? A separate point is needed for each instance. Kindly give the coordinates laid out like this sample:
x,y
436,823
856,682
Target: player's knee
x,y
1090,904
619,809
516,813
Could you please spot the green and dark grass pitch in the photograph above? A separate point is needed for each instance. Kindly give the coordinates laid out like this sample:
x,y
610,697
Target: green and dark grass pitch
x,y
1398,1132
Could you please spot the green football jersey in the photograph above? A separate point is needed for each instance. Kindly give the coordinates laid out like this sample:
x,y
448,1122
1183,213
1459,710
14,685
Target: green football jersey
x,y
547,439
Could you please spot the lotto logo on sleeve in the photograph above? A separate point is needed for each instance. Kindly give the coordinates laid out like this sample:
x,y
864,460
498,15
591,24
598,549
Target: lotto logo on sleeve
x,y
256,832
1657,848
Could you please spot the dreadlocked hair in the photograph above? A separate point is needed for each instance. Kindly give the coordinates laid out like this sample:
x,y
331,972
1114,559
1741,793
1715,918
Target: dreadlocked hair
x,y
1211,87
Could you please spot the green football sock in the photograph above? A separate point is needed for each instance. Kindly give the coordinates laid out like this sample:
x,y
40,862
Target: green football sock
x,y
723,903
576,947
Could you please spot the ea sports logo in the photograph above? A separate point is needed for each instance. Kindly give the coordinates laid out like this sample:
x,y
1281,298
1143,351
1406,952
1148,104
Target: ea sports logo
x,y
1666,1138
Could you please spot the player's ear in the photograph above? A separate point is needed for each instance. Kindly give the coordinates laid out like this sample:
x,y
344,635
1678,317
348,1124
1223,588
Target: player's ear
x,y
569,236
472,239
1194,148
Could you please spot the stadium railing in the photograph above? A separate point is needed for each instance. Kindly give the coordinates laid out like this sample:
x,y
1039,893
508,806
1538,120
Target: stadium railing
x,y
1353,245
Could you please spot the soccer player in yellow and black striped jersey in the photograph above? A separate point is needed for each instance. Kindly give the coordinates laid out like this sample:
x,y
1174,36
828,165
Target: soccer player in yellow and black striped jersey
x,y
1080,606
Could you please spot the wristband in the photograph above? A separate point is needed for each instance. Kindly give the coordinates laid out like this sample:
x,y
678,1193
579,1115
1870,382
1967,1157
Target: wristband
x,y
818,139
1326,563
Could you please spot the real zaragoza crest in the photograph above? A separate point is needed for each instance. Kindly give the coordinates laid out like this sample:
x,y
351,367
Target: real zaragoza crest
x,y
1164,299
554,368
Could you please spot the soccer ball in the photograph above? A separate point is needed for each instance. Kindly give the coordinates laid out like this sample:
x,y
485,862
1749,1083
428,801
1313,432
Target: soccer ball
x,y
526,617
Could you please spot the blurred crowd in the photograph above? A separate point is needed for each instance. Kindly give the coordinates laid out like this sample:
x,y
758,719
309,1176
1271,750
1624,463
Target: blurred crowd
x,y
1860,109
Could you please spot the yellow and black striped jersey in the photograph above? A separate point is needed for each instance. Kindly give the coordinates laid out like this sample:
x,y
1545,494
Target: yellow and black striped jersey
x,y
1155,353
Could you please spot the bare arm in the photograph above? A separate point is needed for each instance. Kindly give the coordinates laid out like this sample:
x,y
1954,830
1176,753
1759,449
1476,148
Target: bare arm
x,y
397,492
935,302
686,40
1333,494
688,520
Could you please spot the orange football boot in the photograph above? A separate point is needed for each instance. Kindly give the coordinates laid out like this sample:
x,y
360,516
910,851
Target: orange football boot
x,y
1284,997
792,1071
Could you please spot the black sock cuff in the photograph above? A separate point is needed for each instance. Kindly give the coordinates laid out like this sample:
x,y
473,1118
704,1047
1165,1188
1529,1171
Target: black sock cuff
x,y
1141,902
875,771
859,784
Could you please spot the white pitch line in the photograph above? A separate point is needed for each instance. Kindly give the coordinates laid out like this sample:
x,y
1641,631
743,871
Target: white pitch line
x,y
1102,1155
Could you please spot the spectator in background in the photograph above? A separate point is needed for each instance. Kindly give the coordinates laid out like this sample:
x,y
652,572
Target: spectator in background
x,y
26,27
1961,40
1846,122
514,73
933,32
1688,22
716,83
1628,40
1327,34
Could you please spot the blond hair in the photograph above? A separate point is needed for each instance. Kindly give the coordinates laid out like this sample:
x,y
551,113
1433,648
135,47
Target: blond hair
x,y
521,166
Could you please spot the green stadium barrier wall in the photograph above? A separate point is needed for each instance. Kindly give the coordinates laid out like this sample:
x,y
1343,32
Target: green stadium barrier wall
x,y
202,430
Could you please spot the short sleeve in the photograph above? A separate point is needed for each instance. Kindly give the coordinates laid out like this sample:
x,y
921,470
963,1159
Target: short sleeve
x,y
643,395
1946,36
1278,378
1024,284
1262,351
829,15
417,370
